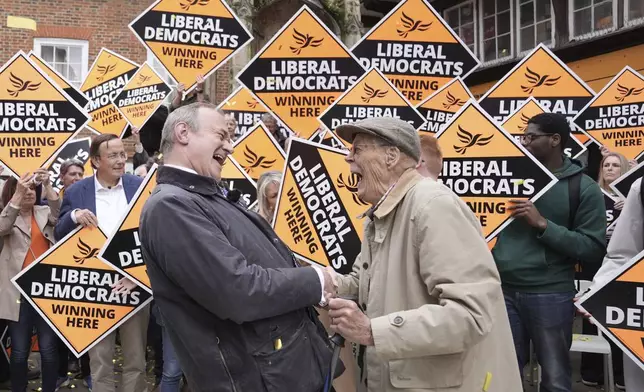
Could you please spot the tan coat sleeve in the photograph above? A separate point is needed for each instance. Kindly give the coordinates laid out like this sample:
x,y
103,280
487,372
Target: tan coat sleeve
x,y
348,285
459,271
54,210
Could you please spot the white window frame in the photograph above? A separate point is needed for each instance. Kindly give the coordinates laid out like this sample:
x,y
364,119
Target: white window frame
x,y
571,21
631,22
481,36
475,20
520,52
83,44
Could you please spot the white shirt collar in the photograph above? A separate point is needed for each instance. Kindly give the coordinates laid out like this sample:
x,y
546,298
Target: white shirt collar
x,y
185,169
100,187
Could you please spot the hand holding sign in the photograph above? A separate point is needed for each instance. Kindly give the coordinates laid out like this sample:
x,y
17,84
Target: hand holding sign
x,y
24,183
525,209
86,218
41,176
123,286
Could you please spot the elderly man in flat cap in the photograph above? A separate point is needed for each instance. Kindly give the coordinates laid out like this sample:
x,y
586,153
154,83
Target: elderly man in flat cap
x,y
430,314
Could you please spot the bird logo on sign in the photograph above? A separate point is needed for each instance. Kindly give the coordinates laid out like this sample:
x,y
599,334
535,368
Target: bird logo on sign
x,y
104,70
452,101
252,103
254,161
411,25
304,41
625,92
470,140
535,81
372,93
352,186
21,85
86,252
185,5
524,122
142,79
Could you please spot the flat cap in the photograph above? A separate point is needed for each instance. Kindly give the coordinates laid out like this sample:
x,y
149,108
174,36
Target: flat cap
x,y
393,130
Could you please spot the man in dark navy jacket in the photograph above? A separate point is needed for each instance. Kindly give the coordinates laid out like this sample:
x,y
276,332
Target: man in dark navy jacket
x,y
101,201
236,306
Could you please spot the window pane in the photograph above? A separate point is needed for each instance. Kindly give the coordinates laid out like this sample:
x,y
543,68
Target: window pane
x,y
543,10
75,54
544,32
60,54
452,18
489,30
47,53
504,43
74,72
527,38
488,8
582,3
467,34
467,14
503,23
582,22
489,48
61,68
635,9
502,5
527,14
604,16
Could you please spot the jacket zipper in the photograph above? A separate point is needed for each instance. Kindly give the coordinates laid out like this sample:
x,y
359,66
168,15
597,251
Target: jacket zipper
x,y
223,360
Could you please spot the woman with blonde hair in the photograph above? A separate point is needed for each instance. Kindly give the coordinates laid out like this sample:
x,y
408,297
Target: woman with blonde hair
x,y
268,186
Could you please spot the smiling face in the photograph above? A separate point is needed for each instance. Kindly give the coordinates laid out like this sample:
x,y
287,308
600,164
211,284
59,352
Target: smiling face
x,y
367,160
110,163
611,169
209,146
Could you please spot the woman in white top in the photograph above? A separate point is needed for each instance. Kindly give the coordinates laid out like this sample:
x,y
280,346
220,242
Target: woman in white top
x,y
627,241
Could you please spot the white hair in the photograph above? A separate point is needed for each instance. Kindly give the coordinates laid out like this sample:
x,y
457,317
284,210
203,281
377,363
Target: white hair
x,y
189,115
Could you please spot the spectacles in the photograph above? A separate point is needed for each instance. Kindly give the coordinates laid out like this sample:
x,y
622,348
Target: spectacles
x,y
530,137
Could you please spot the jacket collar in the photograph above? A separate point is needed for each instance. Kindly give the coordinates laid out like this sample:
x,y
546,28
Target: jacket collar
x,y
40,213
391,199
188,181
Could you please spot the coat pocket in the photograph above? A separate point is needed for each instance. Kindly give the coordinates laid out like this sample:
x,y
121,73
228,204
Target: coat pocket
x,y
442,371
294,367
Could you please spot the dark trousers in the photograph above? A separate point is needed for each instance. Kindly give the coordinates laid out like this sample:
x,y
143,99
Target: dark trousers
x,y
5,371
65,355
546,320
21,333
592,365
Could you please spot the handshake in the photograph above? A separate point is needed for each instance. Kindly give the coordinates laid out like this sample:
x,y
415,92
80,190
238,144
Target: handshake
x,y
347,319
330,285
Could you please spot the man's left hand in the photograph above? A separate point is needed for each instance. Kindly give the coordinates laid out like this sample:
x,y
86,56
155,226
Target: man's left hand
x,y
123,286
525,209
349,321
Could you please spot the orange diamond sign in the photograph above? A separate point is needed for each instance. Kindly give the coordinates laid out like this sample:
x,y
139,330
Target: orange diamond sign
x,y
190,37
37,118
72,290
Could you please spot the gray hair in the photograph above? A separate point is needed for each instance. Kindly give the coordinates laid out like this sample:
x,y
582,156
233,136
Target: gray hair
x,y
189,115
69,163
267,178
268,116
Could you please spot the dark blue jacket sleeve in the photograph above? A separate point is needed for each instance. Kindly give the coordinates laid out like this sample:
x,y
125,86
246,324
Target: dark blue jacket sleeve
x,y
65,223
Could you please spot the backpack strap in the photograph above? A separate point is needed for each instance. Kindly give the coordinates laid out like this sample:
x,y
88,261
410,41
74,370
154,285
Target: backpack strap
x,y
574,186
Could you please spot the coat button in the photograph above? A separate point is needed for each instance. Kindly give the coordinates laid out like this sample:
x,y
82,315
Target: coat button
x,y
191,187
398,321
364,307
365,265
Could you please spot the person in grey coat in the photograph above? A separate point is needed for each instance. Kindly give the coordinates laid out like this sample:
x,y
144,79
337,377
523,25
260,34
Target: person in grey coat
x,y
237,308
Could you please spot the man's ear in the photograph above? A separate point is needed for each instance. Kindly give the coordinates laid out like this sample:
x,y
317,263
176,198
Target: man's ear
x,y
555,140
181,133
392,156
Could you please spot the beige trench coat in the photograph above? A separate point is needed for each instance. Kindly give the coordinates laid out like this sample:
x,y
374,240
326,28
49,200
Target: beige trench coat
x,y
17,237
427,281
